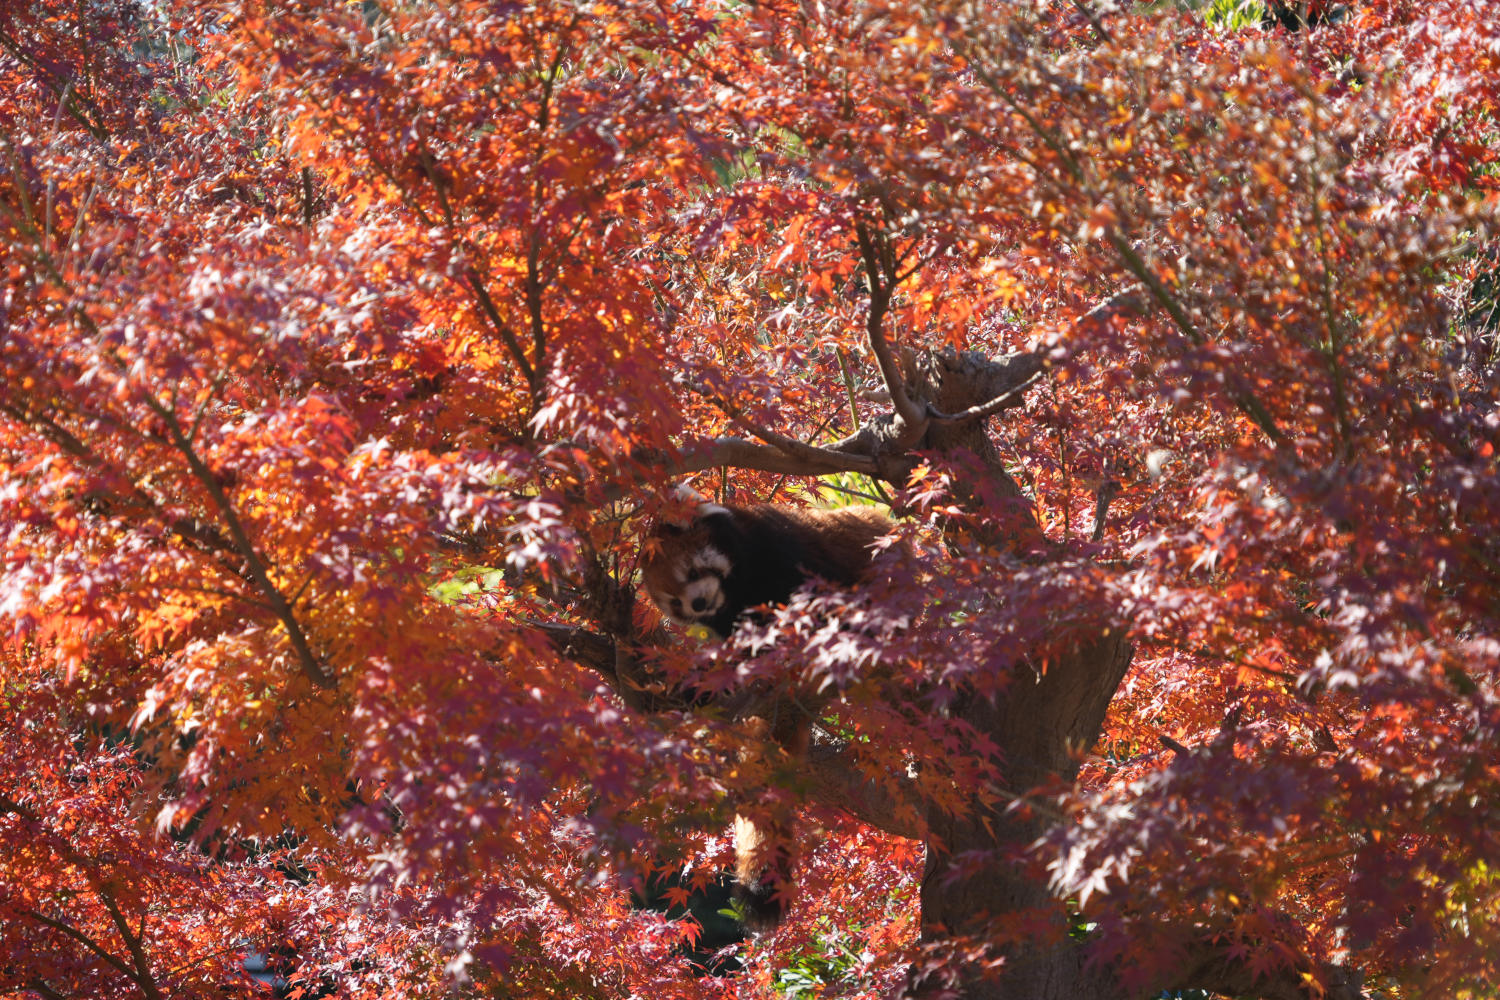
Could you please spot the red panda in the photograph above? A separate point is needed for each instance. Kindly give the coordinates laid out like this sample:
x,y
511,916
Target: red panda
x,y
731,559
726,562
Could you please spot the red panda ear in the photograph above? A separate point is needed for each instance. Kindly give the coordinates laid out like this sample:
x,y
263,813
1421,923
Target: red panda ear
x,y
679,509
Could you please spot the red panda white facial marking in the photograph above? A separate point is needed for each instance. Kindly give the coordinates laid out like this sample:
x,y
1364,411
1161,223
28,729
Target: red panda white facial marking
x,y
698,591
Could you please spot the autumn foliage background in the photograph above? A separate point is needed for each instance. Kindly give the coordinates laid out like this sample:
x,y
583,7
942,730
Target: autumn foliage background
x,y
347,351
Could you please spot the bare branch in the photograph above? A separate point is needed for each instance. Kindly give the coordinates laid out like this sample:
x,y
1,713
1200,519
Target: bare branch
x,y
987,409
790,446
592,650
881,289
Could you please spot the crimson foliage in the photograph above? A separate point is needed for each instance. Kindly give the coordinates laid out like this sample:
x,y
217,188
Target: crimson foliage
x,y
349,349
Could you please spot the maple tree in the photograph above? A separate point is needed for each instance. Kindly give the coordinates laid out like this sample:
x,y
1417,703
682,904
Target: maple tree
x,y
350,352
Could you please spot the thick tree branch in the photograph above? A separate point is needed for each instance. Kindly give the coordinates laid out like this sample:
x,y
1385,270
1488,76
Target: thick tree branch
x,y
988,409
982,386
876,449
790,446
804,460
630,678
40,986
65,928
892,806
134,943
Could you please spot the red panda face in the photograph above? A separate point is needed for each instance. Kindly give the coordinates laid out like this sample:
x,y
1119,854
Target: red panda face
x,y
685,577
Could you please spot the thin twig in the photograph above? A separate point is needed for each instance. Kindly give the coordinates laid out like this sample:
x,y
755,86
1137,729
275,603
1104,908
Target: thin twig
x,y
476,284
1245,400
876,255
853,493
790,445
534,283
1093,19
985,409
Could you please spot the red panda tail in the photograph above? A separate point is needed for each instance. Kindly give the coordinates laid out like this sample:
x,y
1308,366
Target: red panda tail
x,y
763,869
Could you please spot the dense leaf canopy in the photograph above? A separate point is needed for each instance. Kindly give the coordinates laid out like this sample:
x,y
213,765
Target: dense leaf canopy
x,y
349,351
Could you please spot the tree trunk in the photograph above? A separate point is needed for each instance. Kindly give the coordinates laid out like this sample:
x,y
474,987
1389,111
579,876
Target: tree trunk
x,y
1043,724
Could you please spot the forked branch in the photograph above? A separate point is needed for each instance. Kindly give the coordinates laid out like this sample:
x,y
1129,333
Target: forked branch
x,y
880,272
254,565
